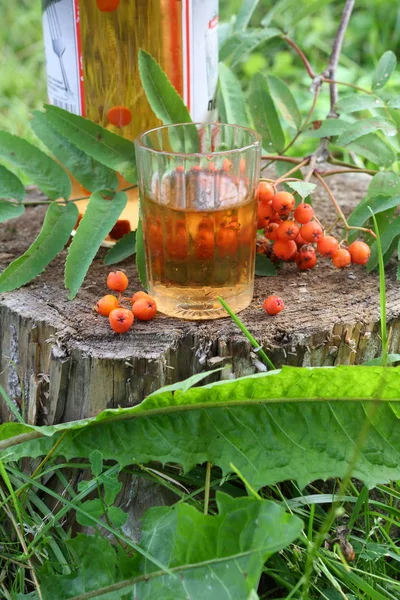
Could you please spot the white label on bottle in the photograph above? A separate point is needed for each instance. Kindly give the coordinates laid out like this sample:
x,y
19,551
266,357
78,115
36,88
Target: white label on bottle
x,y
61,41
200,57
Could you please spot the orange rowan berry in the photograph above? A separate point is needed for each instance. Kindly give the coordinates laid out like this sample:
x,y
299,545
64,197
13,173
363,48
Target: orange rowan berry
x,y
283,203
120,116
117,281
121,319
304,213
311,232
106,304
270,231
300,241
144,309
341,258
285,249
265,192
107,5
273,305
287,230
359,252
140,296
121,228
265,212
327,245
306,257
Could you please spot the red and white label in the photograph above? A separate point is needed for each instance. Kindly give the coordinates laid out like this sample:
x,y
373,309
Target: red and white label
x,y
64,61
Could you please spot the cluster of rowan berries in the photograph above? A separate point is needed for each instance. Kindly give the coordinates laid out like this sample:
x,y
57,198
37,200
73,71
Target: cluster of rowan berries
x,y
143,306
294,233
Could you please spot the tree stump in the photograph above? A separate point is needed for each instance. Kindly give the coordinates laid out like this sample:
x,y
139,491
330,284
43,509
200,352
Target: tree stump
x,y
59,360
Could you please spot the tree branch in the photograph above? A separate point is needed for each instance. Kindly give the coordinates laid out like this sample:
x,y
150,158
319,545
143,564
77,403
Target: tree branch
x,y
337,47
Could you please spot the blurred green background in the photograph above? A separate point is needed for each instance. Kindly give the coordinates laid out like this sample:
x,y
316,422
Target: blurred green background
x,y
374,28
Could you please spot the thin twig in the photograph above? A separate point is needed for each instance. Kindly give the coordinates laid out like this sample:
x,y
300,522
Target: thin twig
x,y
353,170
293,170
336,50
302,56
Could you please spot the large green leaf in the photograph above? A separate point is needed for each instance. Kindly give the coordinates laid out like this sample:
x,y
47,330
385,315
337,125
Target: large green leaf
x,y
58,224
245,13
106,147
40,168
88,171
388,237
9,210
165,101
232,95
264,115
377,204
303,188
301,424
372,147
384,70
284,101
218,557
384,183
264,266
101,214
237,47
287,13
356,102
124,248
10,185
326,128
365,126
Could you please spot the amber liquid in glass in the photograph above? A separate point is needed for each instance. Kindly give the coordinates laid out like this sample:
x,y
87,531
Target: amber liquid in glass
x,y
199,252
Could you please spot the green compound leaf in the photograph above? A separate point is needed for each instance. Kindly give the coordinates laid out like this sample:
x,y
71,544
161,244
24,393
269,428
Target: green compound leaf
x,y
327,128
264,424
372,147
357,102
365,126
235,106
101,214
9,210
388,237
238,46
245,13
40,168
10,185
88,171
124,248
264,115
303,188
384,70
223,560
264,266
58,224
106,147
284,101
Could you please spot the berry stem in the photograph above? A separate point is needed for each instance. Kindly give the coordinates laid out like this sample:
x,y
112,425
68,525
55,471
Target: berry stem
x,y
353,170
303,57
285,177
339,210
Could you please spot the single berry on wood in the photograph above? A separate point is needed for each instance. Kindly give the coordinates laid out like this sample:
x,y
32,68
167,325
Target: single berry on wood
x,y
341,258
288,230
327,245
273,305
121,319
106,304
359,252
265,192
283,202
285,250
144,309
311,232
304,213
117,281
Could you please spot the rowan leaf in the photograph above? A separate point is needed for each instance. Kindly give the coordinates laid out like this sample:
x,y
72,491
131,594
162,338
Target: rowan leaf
x,y
238,46
107,148
364,127
284,101
376,150
303,188
124,248
384,70
9,210
88,171
58,224
102,212
264,266
245,13
357,102
40,168
235,108
388,237
10,185
264,114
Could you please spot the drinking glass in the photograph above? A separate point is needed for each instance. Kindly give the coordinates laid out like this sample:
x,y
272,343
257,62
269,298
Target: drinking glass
x,y
197,185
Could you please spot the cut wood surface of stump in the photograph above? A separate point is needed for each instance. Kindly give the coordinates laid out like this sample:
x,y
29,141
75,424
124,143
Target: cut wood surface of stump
x,y
60,361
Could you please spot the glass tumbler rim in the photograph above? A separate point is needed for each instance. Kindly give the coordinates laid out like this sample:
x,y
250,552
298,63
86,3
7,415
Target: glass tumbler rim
x,y
139,142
